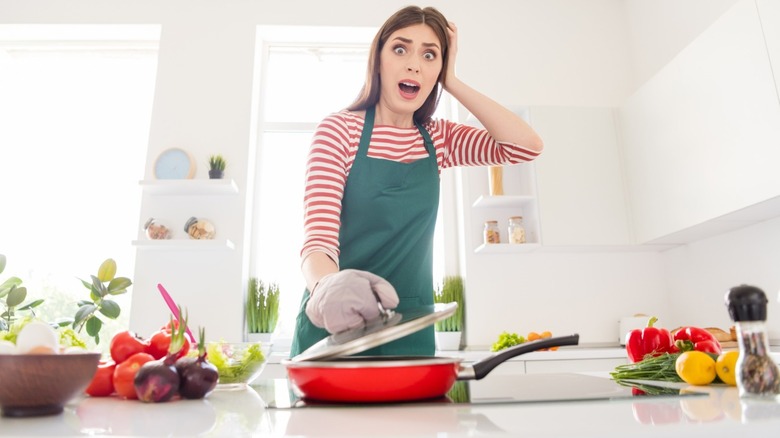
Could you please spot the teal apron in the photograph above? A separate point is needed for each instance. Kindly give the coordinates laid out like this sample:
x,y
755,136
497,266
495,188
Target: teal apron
x,y
387,223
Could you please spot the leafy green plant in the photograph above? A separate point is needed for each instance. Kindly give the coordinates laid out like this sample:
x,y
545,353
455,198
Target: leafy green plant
x,y
217,162
262,306
451,291
102,287
12,296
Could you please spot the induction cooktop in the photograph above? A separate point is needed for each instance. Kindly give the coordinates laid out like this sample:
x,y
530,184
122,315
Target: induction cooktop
x,y
496,389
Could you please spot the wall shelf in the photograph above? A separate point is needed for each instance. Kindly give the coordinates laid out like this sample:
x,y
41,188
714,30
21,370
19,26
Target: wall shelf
x,y
507,248
503,201
190,186
185,244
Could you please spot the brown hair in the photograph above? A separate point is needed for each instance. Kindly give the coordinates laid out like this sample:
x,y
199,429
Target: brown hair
x,y
408,16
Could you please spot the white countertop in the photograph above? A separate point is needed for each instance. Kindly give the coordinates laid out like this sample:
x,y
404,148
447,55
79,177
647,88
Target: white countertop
x,y
243,413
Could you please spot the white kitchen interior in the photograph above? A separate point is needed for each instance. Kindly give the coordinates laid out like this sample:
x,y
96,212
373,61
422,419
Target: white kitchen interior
x,y
657,191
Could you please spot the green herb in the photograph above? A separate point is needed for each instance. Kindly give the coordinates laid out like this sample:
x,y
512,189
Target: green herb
x,y
234,365
506,340
102,287
451,291
650,368
262,306
12,296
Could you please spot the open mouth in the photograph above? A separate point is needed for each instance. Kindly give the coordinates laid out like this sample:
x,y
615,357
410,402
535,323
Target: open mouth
x,y
409,89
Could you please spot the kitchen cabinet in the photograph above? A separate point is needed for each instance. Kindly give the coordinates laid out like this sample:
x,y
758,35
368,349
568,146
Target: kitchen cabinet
x,y
518,199
581,190
700,137
198,273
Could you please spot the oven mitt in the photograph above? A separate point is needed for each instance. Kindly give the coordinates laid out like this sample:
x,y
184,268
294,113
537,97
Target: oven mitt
x,y
346,299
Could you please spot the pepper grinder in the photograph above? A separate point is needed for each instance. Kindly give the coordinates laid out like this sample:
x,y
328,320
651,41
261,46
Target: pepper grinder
x,y
757,374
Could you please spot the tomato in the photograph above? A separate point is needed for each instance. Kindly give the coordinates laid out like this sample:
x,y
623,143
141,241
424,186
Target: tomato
x,y
125,344
125,372
726,367
161,340
695,367
102,384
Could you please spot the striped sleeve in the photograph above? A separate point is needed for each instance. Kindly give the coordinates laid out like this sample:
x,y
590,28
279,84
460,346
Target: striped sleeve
x,y
469,146
330,157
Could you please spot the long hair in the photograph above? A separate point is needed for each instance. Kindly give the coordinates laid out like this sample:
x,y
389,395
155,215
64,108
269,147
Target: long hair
x,y
408,16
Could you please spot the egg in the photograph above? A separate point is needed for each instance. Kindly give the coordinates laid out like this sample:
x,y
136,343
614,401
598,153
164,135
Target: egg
x,y
7,347
37,337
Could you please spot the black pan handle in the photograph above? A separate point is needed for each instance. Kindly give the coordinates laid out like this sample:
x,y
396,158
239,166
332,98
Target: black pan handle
x,y
483,367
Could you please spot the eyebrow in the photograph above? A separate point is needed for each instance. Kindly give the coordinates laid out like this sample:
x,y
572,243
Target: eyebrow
x,y
408,41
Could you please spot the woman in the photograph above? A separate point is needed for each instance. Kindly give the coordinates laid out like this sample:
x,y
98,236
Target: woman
x,y
372,181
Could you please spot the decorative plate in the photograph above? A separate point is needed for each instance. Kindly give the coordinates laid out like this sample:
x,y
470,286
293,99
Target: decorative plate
x,y
175,163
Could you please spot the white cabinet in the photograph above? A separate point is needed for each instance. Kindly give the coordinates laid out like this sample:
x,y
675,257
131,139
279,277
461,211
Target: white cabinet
x,y
582,199
700,139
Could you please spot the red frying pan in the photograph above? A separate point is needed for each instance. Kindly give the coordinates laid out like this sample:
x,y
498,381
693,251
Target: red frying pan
x,y
322,372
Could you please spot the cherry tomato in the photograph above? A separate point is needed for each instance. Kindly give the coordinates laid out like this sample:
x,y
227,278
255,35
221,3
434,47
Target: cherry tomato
x,y
125,344
125,372
160,341
102,384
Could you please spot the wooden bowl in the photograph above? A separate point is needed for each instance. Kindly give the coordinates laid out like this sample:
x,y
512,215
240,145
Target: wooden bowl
x,y
41,384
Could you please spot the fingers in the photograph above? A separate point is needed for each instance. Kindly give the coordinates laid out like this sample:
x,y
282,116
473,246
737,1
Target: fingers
x,y
383,289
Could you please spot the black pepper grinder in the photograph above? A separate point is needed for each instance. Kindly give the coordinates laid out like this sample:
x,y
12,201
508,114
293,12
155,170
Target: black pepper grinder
x,y
757,375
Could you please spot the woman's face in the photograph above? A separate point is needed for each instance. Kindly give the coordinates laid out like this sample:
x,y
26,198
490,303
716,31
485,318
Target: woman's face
x,y
409,66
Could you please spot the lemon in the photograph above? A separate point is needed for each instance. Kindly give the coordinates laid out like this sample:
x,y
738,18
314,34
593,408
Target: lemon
x,y
726,367
695,368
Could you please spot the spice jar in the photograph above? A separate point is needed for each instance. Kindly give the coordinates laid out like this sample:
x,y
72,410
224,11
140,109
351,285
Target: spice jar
x,y
491,234
516,230
757,374
199,228
155,230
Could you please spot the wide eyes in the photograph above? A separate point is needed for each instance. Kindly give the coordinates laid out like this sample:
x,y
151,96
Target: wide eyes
x,y
429,55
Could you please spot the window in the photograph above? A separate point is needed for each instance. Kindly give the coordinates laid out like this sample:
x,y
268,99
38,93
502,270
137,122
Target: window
x,y
75,107
333,74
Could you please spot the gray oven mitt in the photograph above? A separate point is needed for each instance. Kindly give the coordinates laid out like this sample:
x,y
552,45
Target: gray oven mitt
x,y
346,299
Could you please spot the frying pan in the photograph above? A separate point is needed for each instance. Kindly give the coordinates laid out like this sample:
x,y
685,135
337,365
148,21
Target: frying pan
x,y
379,379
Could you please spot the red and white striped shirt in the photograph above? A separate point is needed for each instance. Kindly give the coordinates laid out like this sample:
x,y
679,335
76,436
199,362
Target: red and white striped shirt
x,y
335,145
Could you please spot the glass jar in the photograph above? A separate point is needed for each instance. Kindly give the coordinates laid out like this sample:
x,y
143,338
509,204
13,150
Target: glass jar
x,y
156,230
516,230
491,234
757,374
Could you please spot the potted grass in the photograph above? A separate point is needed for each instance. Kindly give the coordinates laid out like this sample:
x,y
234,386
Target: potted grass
x,y
217,166
449,331
262,311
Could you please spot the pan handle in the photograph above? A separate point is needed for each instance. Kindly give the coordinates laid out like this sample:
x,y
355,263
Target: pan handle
x,y
483,367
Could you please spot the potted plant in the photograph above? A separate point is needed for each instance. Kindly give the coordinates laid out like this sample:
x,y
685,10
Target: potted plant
x,y
217,166
262,311
449,331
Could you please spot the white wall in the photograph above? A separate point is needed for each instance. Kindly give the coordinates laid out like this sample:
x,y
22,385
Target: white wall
x,y
527,52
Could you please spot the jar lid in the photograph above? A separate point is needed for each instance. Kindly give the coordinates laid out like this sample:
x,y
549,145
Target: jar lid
x,y
746,303
516,217
491,222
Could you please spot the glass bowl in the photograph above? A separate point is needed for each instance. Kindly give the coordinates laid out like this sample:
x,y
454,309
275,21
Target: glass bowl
x,y
238,363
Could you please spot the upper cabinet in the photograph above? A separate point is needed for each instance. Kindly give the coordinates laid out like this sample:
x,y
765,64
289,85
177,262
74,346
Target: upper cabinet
x,y
700,139
582,199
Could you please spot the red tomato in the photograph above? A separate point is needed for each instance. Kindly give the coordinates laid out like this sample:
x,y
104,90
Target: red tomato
x,y
161,340
125,372
125,344
102,384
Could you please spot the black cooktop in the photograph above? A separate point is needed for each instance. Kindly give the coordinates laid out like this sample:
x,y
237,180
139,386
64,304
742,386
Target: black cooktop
x,y
495,389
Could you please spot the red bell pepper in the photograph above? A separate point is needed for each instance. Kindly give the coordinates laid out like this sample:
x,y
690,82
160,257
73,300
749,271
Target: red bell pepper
x,y
649,340
695,338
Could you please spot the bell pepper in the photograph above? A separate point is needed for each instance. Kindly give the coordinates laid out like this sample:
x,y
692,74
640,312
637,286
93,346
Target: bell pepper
x,y
695,338
650,340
